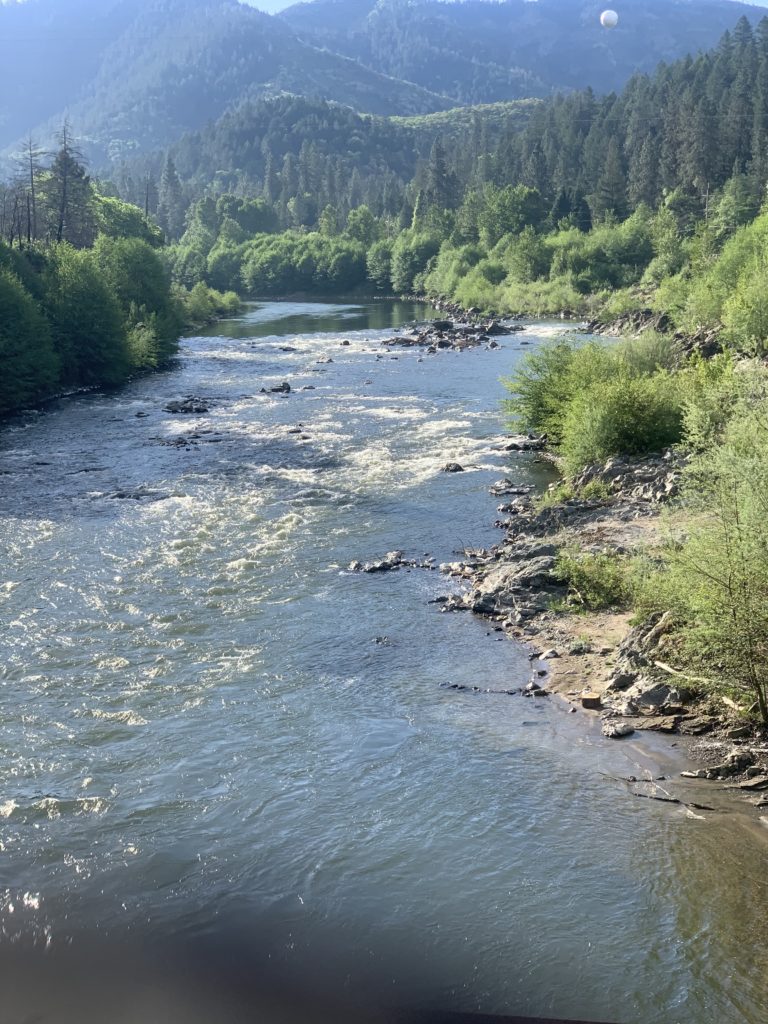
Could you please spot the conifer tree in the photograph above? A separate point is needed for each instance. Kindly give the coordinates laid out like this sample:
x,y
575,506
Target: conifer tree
x,y
69,197
170,208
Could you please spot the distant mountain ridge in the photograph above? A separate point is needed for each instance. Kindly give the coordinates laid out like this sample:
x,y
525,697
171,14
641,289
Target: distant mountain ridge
x,y
137,75
478,51
155,69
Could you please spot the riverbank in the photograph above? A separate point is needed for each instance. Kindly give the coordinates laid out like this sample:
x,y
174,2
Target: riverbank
x,y
602,662
624,670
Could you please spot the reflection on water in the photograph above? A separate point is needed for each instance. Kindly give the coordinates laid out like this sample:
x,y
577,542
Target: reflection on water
x,y
209,727
265,319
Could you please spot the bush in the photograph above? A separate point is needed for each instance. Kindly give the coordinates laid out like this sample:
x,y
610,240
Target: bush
x,y
717,577
624,416
595,581
547,381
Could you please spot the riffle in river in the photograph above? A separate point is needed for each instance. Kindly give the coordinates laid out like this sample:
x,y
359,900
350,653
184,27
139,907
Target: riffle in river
x,y
210,728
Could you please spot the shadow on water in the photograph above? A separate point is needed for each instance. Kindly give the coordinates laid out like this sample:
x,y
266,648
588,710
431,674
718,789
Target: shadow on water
x,y
261,320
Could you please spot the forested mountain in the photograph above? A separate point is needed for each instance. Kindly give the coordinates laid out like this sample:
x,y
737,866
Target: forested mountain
x,y
687,128
133,75
477,52
153,69
309,153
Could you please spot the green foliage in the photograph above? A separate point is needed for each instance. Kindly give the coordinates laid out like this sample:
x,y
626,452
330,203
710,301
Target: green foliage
x,y
596,581
411,254
362,226
139,279
294,263
28,364
123,220
597,400
729,290
378,264
621,416
506,211
87,325
716,579
202,304
554,495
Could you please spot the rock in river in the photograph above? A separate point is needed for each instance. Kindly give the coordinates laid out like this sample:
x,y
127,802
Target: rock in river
x,y
616,730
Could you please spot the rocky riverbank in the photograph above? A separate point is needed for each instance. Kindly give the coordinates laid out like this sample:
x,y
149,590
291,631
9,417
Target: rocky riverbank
x,y
600,661
637,321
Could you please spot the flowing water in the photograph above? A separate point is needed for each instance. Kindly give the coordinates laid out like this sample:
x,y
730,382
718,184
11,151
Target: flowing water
x,y
206,721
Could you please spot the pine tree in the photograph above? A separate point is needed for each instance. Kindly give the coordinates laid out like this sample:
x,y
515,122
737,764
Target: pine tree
x,y
610,197
170,208
69,197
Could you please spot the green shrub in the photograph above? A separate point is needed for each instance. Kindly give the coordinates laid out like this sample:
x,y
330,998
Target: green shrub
x,y
716,578
545,383
623,416
595,581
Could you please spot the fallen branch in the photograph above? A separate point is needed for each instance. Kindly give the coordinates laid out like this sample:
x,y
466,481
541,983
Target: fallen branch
x,y
682,675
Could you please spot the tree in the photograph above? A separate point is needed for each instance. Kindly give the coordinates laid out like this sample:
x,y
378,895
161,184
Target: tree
x,y
87,326
69,197
441,184
718,577
506,211
362,225
29,363
170,209
30,168
379,264
611,194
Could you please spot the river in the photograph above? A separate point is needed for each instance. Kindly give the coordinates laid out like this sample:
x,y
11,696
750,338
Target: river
x,y
208,724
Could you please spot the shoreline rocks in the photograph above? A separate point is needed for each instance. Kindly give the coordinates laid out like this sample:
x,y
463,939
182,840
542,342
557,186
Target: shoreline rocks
x,y
456,335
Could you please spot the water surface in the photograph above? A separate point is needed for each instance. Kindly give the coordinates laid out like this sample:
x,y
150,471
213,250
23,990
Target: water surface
x,y
207,722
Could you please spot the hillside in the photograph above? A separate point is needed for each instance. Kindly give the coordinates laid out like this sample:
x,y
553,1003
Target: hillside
x,y
136,75
155,69
478,52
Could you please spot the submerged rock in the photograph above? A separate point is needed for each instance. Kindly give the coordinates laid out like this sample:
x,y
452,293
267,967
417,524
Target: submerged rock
x,y
189,406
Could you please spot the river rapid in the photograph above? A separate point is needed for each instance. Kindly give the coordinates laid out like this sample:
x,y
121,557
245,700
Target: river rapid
x,y
209,726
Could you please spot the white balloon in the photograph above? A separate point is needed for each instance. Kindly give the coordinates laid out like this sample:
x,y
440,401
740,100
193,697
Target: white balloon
x,y
609,19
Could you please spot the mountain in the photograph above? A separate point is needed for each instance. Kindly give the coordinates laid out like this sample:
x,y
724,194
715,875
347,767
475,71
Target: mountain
x,y
478,52
154,69
134,76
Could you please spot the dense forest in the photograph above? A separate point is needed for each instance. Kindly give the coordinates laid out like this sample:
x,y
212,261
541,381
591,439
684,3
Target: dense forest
x,y
85,296
579,202
155,69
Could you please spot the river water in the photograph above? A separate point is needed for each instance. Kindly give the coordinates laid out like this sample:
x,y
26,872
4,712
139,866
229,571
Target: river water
x,y
207,723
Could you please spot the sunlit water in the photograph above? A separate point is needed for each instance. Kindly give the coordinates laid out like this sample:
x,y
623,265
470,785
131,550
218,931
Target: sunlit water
x,y
206,721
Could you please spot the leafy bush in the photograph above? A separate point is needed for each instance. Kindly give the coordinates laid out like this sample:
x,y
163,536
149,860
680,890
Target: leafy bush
x,y
623,416
717,578
595,581
545,383
410,255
